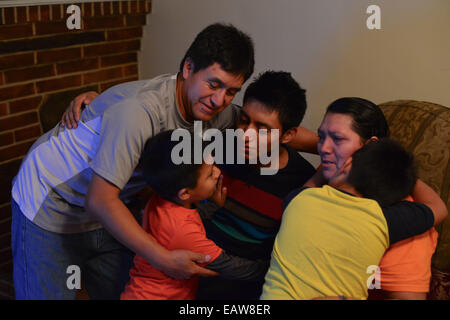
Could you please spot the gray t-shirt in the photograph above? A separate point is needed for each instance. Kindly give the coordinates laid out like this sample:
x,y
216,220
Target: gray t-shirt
x,y
53,179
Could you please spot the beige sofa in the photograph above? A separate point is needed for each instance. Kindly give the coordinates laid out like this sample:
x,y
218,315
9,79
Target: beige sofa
x,y
424,129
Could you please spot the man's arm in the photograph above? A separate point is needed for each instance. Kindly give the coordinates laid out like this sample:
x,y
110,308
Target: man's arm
x,y
102,201
305,140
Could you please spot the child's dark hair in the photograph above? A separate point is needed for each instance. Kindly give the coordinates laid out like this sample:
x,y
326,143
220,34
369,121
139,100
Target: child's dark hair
x,y
278,91
161,173
224,44
384,171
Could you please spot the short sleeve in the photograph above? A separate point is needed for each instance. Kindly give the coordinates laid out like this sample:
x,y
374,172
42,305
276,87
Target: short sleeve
x,y
406,219
192,237
126,126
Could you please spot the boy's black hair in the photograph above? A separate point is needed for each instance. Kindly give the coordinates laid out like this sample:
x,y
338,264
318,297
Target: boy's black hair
x,y
278,91
224,44
368,119
161,173
384,171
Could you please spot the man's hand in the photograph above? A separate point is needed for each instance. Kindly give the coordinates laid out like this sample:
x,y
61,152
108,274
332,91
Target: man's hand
x,y
220,195
183,265
72,115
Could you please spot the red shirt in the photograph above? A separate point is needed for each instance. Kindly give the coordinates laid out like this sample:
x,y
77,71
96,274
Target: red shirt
x,y
174,227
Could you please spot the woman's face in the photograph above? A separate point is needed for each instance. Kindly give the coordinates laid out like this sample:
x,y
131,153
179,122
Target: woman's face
x,y
337,142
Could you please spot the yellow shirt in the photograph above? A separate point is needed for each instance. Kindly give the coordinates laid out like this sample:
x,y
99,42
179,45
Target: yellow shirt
x,y
326,242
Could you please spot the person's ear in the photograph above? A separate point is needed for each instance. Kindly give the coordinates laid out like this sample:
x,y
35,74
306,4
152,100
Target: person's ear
x,y
373,138
184,194
188,67
288,135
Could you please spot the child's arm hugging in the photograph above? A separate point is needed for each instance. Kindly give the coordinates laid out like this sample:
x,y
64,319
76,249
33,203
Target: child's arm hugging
x,y
236,268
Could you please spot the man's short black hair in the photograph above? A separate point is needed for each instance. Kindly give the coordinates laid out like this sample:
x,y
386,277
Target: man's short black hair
x,y
161,173
222,43
278,91
384,171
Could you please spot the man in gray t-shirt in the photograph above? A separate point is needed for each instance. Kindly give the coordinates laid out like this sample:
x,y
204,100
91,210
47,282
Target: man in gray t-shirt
x,y
72,182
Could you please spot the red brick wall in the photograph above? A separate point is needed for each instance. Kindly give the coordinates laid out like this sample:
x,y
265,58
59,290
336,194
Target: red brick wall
x,y
40,56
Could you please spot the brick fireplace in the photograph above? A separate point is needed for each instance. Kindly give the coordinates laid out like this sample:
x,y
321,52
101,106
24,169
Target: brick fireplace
x,y
43,65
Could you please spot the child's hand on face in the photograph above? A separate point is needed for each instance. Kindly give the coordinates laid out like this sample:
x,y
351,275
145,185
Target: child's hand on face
x,y
220,195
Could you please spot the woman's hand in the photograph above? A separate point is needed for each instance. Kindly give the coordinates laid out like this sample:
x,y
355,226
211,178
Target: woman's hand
x,y
72,115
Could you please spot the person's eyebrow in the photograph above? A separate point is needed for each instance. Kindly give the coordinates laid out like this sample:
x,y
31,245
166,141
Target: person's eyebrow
x,y
259,124
334,134
262,124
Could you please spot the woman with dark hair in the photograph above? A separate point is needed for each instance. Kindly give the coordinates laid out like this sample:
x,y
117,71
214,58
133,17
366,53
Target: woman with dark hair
x,y
348,124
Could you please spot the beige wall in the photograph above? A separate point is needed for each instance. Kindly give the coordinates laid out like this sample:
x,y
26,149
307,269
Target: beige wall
x,y
325,44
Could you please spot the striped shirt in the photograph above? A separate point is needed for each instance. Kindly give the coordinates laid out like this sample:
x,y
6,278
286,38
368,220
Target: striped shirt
x,y
249,221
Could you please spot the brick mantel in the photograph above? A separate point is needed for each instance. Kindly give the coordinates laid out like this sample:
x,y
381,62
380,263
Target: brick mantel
x,y
40,57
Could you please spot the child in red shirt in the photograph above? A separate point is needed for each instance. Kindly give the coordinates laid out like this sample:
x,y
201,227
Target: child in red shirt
x,y
172,219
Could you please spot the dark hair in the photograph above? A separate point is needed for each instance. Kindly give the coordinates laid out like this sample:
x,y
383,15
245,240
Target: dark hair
x,y
382,170
161,173
278,91
368,119
224,44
